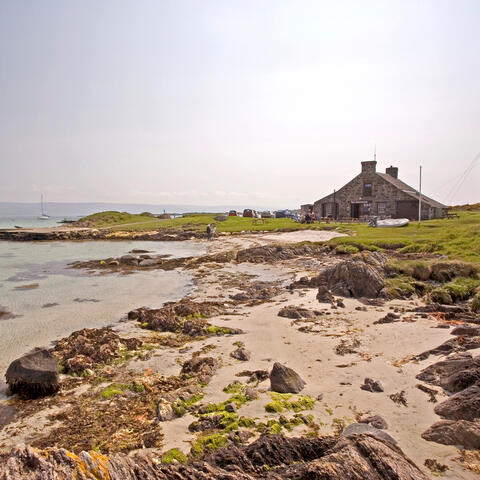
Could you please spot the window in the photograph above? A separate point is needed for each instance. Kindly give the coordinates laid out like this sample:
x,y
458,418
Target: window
x,y
381,208
367,190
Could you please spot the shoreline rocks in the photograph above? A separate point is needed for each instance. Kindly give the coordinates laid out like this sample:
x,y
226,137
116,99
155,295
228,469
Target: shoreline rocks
x,y
285,380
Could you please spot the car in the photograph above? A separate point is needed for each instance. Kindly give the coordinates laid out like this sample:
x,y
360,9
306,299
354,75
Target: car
x,y
232,213
283,214
248,212
267,214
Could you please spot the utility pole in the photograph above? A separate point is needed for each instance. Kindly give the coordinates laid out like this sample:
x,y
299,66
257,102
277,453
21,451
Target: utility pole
x,y
420,197
334,206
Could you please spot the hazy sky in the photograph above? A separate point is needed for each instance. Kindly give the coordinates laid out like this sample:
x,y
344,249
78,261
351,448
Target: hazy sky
x,y
235,101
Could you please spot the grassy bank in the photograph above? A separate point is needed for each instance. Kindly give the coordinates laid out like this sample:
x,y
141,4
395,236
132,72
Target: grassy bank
x,y
457,238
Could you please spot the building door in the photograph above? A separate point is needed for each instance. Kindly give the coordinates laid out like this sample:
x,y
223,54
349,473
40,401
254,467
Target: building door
x,y
407,209
356,210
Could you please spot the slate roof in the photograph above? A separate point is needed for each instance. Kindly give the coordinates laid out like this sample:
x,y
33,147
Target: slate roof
x,y
410,191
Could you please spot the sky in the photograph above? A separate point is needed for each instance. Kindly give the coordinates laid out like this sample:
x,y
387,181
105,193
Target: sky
x,y
206,102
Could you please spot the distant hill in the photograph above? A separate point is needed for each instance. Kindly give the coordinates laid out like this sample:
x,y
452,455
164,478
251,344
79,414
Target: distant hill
x,y
469,207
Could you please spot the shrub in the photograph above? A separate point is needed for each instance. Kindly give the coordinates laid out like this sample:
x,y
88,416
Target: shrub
x,y
476,303
461,288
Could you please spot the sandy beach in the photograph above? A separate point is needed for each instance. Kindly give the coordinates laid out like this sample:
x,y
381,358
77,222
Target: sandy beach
x,y
310,346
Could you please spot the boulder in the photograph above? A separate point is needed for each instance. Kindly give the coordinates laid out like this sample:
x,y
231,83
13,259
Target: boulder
x,y
241,353
451,432
375,421
251,393
362,428
324,295
390,317
356,278
464,405
285,380
34,375
467,330
371,385
291,311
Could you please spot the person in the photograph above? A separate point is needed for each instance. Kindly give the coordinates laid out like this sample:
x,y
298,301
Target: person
x,y
209,232
214,230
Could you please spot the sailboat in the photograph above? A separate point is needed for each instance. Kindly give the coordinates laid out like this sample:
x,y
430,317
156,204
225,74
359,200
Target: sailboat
x,y
43,216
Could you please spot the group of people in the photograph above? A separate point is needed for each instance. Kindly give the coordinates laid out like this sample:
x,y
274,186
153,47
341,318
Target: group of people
x,y
211,231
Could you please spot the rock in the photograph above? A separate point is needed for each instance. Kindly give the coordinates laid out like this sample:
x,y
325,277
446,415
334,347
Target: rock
x,y
285,380
91,346
388,318
324,295
239,437
356,457
251,393
375,421
241,353
451,432
255,375
128,260
462,379
371,385
114,263
202,367
340,303
221,218
165,411
464,405
34,375
147,262
361,428
230,407
291,311
467,330
356,278
434,373
206,423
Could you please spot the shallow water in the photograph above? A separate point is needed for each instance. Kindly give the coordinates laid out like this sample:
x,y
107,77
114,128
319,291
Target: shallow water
x,y
67,299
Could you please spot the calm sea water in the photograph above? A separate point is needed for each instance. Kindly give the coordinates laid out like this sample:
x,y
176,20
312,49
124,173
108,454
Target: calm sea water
x,y
80,300
31,222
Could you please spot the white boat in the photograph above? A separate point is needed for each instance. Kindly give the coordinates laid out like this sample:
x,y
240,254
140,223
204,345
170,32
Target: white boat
x,y
389,222
43,216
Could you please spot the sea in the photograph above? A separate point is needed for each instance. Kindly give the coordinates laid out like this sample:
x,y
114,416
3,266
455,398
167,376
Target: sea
x,y
48,300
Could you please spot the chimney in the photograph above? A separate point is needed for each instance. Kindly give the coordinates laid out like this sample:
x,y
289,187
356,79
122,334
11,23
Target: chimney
x,y
392,171
369,167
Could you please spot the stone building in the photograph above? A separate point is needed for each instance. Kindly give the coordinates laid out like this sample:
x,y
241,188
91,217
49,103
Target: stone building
x,y
372,193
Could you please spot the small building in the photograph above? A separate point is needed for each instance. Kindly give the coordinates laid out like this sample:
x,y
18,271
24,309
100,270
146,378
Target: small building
x,y
372,193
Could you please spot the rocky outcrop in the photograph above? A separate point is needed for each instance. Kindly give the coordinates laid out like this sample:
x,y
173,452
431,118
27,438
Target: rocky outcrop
x,y
34,375
357,277
257,293
464,405
186,317
285,380
450,432
362,428
438,372
91,346
375,421
276,253
357,457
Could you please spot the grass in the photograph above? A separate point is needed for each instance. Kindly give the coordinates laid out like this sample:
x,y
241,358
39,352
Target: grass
x,y
282,401
193,222
456,238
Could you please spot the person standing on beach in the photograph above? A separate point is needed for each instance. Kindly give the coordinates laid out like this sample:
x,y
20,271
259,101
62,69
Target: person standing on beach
x,y
209,232
214,230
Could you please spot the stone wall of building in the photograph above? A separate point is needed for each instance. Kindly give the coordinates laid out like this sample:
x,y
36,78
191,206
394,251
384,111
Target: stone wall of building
x,y
381,202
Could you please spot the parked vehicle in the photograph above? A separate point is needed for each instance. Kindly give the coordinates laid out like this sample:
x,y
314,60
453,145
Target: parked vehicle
x,y
232,213
248,212
267,214
283,214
